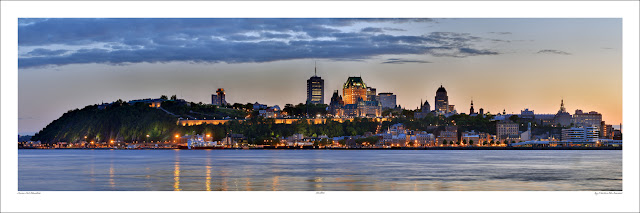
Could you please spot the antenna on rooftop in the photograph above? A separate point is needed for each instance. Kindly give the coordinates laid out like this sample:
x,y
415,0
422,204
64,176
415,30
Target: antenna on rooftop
x,y
315,65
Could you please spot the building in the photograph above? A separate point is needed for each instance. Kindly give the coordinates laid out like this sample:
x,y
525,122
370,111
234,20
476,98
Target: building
x,y
354,90
507,129
218,99
425,109
336,105
481,111
606,131
315,89
527,115
425,139
387,100
451,109
371,94
442,100
471,111
592,118
449,134
562,118
581,134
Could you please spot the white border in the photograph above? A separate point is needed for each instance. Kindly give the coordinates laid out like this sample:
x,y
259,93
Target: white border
x,y
309,201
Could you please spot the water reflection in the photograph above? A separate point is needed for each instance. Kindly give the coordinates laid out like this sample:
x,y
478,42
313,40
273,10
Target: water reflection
x,y
316,170
176,173
112,182
275,182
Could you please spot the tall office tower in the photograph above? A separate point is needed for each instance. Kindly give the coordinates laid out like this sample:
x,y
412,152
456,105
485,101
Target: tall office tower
x,y
315,89
354,90
442,100
219,97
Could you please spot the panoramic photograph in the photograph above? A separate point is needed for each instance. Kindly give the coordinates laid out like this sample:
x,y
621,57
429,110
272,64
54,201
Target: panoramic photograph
x,y
320,104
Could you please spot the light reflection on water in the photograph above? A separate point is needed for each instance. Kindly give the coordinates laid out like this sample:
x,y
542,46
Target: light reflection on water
x,y
320,170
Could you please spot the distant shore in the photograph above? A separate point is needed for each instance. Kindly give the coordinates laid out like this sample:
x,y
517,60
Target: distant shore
x,y
393,148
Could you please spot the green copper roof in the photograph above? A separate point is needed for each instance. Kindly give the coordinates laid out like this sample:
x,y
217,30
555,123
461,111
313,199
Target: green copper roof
x,y
355,82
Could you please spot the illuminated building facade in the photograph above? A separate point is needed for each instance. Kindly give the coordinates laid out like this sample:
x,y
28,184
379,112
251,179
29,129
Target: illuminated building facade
x,y
354,90
507,129
442,100
315,90
581,134
219,98
592,118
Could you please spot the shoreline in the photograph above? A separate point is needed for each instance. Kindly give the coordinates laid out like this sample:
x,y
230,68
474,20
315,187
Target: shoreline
x,y
394,148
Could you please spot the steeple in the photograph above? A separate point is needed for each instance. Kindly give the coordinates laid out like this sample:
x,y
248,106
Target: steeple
x,y
471,111
562,109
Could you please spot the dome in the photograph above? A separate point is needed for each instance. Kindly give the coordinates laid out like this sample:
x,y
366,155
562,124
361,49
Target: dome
x,y
441,89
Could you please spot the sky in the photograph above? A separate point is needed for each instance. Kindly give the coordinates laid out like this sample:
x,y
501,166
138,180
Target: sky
x,y
502,64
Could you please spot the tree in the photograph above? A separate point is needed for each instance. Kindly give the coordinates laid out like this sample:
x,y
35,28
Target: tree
x,y
163,97
484,143
174,97
471,142
492,142
444,142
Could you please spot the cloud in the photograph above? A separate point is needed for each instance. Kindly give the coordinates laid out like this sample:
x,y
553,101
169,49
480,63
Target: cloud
x,y
46,52
403,61
371,30
124,41
501,33
557,52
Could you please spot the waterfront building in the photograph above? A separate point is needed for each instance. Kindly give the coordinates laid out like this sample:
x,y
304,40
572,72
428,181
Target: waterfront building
x,y
581,134
507,130
441,100
387,100
425,139
449,134
471,136
315,89
592,118
219,98
526,135
617,134
562,118
354,90
606,130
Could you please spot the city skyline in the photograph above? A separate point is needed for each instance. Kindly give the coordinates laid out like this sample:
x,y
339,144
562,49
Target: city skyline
x,y
509,64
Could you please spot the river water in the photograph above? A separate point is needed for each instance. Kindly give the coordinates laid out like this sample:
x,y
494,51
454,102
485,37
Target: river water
x,y
319,170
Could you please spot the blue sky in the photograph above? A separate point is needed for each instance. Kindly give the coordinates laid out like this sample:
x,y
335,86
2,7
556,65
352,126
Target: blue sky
x,y
500,63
